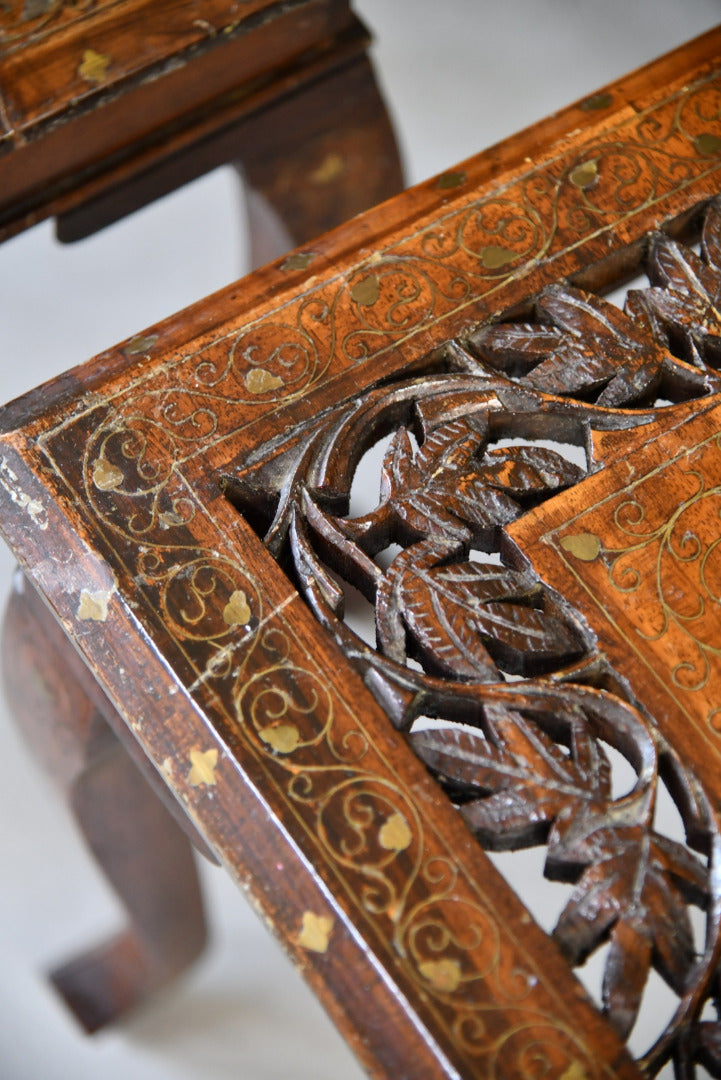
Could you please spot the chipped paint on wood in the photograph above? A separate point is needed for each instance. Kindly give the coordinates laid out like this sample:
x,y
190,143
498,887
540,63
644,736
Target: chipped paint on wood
x,y
34,508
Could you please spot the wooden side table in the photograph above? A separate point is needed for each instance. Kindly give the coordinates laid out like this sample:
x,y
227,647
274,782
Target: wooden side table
x,y
181,506
105,106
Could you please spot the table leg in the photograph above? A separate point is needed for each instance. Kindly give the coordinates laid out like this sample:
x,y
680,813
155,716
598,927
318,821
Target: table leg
x,y
317,158
311,155
143,852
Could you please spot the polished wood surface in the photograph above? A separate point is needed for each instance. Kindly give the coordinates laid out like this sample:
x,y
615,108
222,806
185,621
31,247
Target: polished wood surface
x,y
182,505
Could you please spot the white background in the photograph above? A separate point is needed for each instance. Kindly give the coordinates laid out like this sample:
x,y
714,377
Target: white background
x,y
458,76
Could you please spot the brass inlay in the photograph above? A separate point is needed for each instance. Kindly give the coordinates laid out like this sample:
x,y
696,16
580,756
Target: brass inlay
x,y
107,477
546,246
584,175
93,606
203,765
236,612
451,180
395,834
597,101
94,66
660,559
169,519
299,260
585,546
443,975
315,932
331,167
708,143
575,1071
142,343
283,739
365,292
493,257
260,381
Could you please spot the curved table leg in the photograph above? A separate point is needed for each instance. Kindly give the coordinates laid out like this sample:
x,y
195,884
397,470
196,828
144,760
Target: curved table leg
x,y
142,850
311,154
316,158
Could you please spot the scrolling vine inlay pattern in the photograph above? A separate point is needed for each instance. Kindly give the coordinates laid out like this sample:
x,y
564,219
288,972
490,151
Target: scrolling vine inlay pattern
x,y
455,263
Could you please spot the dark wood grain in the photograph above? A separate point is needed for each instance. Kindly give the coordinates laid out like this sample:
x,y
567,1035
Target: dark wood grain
x,y
182,503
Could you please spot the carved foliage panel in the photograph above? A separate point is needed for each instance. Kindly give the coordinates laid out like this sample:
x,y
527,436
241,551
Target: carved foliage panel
x,y
467,634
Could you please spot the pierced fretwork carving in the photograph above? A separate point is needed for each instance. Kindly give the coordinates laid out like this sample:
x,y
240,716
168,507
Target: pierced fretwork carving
x,y
467,634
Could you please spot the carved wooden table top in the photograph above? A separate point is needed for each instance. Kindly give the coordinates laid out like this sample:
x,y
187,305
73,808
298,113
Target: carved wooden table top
x,y
94,95
182,504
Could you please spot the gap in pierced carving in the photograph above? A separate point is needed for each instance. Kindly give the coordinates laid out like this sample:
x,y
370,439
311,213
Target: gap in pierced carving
x,y
618,294
493,558
364,494
656,1012
574,454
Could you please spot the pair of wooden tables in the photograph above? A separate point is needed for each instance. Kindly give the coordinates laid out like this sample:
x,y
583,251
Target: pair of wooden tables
x,y
181,505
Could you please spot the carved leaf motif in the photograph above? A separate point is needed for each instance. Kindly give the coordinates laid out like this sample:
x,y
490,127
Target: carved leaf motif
x,y
537,774
711,237
455,611
524,470
451,447
390,629
526,778
445,489
442,624
436,491
682,380
592,347
634,890
686,290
